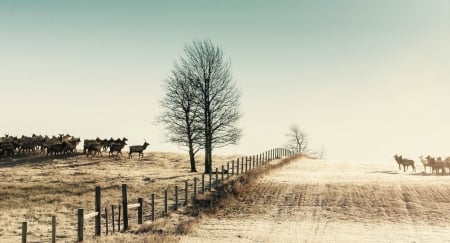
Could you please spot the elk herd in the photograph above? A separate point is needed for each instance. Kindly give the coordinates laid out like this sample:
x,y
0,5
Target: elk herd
x,y
436,165
65,145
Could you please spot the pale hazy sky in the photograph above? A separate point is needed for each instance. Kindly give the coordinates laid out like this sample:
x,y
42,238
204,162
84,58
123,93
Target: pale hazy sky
x,y
365,79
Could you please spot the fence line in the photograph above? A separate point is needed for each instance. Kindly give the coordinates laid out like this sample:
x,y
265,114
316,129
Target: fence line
x,y
240,167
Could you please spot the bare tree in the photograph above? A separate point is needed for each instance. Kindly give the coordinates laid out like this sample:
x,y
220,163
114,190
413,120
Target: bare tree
x,y
180,115
297,140
217,97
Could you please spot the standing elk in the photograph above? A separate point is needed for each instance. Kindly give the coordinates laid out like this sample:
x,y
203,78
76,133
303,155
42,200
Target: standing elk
x,y
94,149
398,160
7,149
117,147
138,149
440,165
425,163
405,162
58,149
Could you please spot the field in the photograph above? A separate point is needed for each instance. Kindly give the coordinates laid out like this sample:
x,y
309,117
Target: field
x,y
331,201
34,189
304,201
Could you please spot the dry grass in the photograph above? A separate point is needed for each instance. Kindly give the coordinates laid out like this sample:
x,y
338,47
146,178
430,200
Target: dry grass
x,y
34,189
129,238
233,189
210,203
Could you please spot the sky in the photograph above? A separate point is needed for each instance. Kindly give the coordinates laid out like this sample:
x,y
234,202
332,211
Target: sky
x,y
363,79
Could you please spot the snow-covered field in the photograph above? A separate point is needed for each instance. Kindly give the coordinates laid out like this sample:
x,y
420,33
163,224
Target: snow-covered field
x,y
336,201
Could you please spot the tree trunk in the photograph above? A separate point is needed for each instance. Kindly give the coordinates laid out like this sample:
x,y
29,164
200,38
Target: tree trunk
x,y
208,158
192,158
208,152
208,130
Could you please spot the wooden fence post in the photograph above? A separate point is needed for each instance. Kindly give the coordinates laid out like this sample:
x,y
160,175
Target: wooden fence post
x,y
176,198
153,207
246,163
223,168
98,210
125,207
53,229
24,232
237,166
195,188
80,224
140,209
210,181
106,219
165,204
185,192
118,218
242,165
216,183
228,169
232,167
112,218
203,183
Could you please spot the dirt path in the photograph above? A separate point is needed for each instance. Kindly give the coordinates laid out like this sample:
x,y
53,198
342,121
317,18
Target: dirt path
x,y
331,201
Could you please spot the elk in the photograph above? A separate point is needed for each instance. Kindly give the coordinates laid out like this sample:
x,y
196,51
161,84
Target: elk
x,y
447,163
399,161
440,164
7,149
425,162
72,145
405,162
116,147
88,143
58,148
138,149
94,148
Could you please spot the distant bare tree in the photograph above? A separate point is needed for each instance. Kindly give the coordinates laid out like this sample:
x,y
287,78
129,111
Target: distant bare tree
x,y
297,140
216,95
180,115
